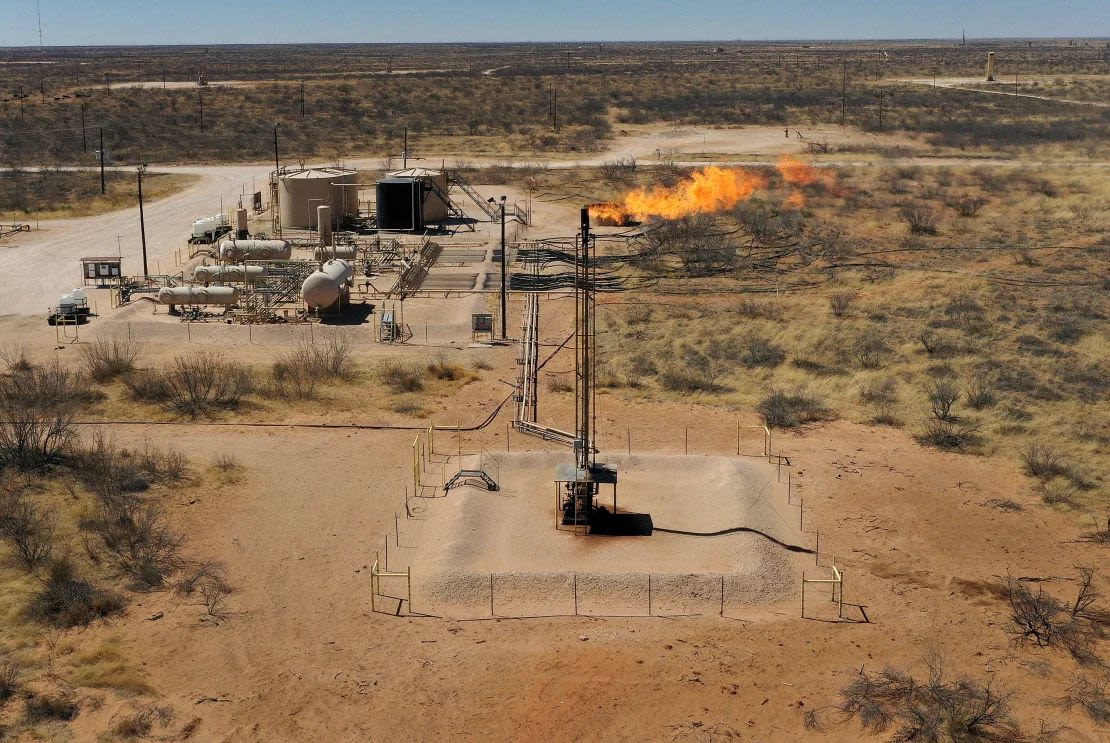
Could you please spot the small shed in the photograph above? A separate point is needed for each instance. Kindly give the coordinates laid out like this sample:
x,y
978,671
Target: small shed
x,y
100,271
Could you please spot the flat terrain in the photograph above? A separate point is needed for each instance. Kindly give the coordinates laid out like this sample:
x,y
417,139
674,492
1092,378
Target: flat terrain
x,y
889,354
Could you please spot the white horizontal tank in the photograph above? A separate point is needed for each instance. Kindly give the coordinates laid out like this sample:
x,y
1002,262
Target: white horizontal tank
x,y
224,296
255,250
323,288
227,272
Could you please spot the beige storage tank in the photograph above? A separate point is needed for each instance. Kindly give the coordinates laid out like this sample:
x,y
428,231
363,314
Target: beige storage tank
x,y
433,192
323,223
990,67
235,273
345,252
323,288
224,296
256,250
301,191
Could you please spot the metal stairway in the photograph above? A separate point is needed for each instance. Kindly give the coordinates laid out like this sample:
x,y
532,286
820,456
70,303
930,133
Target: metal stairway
x,y
489,209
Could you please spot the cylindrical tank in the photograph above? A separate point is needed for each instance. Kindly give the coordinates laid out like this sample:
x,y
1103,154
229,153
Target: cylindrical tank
x,y
323,288
227,272
323,223
433,191
346,252
990,67
255,250
222,295
241,228
301,191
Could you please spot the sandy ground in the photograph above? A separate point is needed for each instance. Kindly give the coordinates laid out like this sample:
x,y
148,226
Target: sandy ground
x,y
303,657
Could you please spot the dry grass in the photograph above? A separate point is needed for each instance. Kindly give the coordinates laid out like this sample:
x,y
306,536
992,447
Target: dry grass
x,y
29,195
107,359
105,666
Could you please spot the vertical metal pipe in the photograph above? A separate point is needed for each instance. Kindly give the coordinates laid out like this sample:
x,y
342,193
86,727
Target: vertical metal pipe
x,y
504,272
142,221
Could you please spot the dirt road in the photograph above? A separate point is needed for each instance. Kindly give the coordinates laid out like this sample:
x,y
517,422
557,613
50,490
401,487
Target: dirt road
x,y
965,83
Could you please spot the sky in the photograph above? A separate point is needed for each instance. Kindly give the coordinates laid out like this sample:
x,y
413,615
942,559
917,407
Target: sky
x,y
122,22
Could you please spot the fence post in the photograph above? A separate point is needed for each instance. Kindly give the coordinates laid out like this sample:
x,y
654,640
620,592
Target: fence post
x,y
722,594
629,431
408,577
780,466
737,437
575,594
803,594
491,613
649,594
801,510
817,551
396,529
387,553
687,439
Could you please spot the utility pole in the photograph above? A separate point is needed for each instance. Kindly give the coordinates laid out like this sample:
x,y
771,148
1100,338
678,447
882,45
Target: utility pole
x,y
108,83
102,189
405,150
844,93
200,99
163,77
142,222
276,206
554,108
880,109
504,272
302,99
77,74
84,139
21,103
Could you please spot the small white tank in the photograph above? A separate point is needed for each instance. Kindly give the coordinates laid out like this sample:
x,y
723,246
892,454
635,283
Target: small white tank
x,y
227,272
225,296
323,288
241,227
255,250
208,225
344,252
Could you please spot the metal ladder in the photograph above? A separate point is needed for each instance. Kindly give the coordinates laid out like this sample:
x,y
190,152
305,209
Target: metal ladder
x,y
489,209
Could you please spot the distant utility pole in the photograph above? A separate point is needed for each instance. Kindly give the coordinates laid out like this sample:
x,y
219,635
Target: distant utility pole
x,y
880,109
21,103
200,100
302,99
142,222
405,150
108,83
102,189
554,108
163,77
84,139
844,93
77,74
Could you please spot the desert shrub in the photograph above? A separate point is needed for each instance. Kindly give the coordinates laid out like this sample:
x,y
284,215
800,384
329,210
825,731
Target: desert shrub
x,y
226,463
9,677
42,707
1045,621
882,394
759,309
840,303
66,600
980,394
32,437
194,385
1091,697
440,368
921,221
161,464
937,344
969,206
1042,460
291,381
29,530
1057,493
400,377
951,435
868,349
756,350
50,386
943,395
107,359
559,383
14,358
790,409
107,471
936,709
687,370
136,542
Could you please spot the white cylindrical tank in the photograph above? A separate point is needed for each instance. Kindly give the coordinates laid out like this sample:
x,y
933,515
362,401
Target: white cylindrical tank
x,y
227,272
346,252
222,295
207,225
255,250
323,223
323,288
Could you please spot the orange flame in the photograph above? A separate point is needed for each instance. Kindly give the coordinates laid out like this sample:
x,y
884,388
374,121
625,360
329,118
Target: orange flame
x,y
612,212
801,174
709,190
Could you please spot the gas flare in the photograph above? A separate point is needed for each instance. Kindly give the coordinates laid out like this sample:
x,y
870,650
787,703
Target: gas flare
x,y
800,175
709,190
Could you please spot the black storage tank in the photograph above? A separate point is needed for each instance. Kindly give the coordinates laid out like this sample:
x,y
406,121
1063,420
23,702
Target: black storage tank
x,y
399,204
